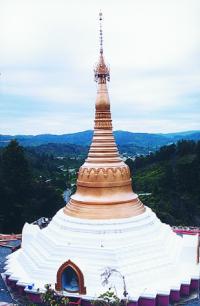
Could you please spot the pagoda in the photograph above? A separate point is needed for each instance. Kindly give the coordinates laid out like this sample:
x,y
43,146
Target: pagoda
x,y
105,231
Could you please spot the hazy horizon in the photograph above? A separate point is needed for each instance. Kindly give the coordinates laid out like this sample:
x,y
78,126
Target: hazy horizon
x,y
49,48
190,131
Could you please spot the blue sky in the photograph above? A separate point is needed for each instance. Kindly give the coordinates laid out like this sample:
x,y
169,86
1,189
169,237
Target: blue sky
x,y
49,48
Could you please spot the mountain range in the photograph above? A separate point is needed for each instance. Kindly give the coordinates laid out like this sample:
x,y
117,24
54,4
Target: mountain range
x,y
127,141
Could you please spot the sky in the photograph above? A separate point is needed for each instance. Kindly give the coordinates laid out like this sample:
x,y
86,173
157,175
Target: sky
x,y
49,49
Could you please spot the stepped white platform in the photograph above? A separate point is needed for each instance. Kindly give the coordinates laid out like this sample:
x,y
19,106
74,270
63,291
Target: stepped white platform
x,y
151,257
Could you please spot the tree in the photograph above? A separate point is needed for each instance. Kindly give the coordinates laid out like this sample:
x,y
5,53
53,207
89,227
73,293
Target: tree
x,y
23,197
16,185
15,169
172,176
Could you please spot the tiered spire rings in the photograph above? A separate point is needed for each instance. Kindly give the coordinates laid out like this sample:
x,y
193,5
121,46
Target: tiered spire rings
x,y
101,72
104,189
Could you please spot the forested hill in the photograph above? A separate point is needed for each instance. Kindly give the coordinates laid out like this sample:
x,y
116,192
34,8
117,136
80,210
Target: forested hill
x,y
59,149
169,180
143,140
32,183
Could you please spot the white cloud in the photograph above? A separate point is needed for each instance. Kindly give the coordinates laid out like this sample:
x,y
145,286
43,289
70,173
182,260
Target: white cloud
x,y
48,48
54,123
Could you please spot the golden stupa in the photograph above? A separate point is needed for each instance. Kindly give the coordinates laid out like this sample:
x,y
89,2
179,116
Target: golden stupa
x,y
105,228
104,188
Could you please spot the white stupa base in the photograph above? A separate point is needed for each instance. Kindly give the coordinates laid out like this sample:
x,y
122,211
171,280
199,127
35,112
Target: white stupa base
x,y
151,257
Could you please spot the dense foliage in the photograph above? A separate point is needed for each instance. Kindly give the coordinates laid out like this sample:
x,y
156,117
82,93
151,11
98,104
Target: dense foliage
x,y
32,183
169,182
24,194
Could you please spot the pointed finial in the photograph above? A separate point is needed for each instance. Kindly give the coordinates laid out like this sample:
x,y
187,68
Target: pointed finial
x,y
101,71
101,32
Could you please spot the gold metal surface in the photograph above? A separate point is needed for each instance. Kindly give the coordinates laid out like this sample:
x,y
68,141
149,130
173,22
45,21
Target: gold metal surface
x,y
104,189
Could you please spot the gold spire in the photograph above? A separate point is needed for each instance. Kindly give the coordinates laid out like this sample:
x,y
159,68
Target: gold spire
x,y
101,72
101,32
104,188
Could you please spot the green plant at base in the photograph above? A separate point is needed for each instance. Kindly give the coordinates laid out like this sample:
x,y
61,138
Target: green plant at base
x,y
109,298
51,297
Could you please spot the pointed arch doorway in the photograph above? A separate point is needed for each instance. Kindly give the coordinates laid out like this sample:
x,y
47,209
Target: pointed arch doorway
x,y
70,278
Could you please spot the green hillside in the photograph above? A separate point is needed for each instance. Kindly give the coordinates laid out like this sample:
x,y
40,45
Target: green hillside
x,y
32,182
169,182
